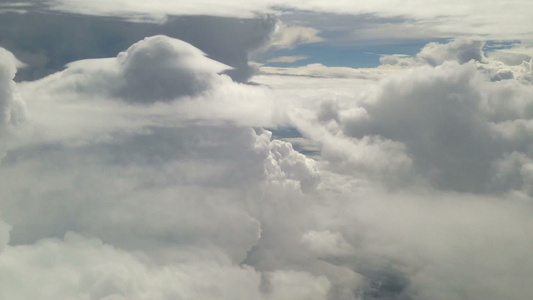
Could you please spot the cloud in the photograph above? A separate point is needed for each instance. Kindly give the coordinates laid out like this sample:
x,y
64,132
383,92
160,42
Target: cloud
x,y
89,37
155,69
151,176
459,50
512,56
448,134
287,59
163,68
178,205
397,60
414,246
285,36
499,65
76,267
320,70
437,123
426,18
11,106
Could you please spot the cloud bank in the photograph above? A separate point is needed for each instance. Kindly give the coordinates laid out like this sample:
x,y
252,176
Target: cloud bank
x,y
151,174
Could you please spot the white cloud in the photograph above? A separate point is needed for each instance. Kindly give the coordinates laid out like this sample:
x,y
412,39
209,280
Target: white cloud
x,y
459,50
326,243
155,69
129,185
85,268
287,59
11,105
297,285
453,18
285,36
397,60
320,70
512,56
449,124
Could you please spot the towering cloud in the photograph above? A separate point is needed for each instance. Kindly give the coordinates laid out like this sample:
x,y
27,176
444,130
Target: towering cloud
x,y
155,69
11,105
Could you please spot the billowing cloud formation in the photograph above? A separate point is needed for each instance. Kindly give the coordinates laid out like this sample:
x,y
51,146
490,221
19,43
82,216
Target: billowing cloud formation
x,y
420,186
163,68
158,68
11,106
459,50
449,124
53,44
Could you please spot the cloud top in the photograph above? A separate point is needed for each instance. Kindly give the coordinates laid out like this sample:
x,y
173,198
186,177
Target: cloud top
x,y
157,68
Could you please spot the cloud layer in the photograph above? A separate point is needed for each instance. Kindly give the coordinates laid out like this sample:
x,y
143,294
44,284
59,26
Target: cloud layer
x,y
151,175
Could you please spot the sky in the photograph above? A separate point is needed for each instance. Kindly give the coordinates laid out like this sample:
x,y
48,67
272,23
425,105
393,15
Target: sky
x,y
266,150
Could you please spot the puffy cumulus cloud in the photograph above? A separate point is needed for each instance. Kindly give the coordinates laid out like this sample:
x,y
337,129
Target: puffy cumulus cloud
x,y
450,125
461,50
285,163
448,120
509,63
499,65
167,187
155,69
163,68
171,204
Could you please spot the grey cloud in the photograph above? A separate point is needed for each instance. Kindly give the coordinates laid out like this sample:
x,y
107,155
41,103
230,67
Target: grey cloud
x,y
512,59
11,105
155,69
503,75
397,60
173,204
439,115
461,50
46,41
76,267
188,183
163,68
449,126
